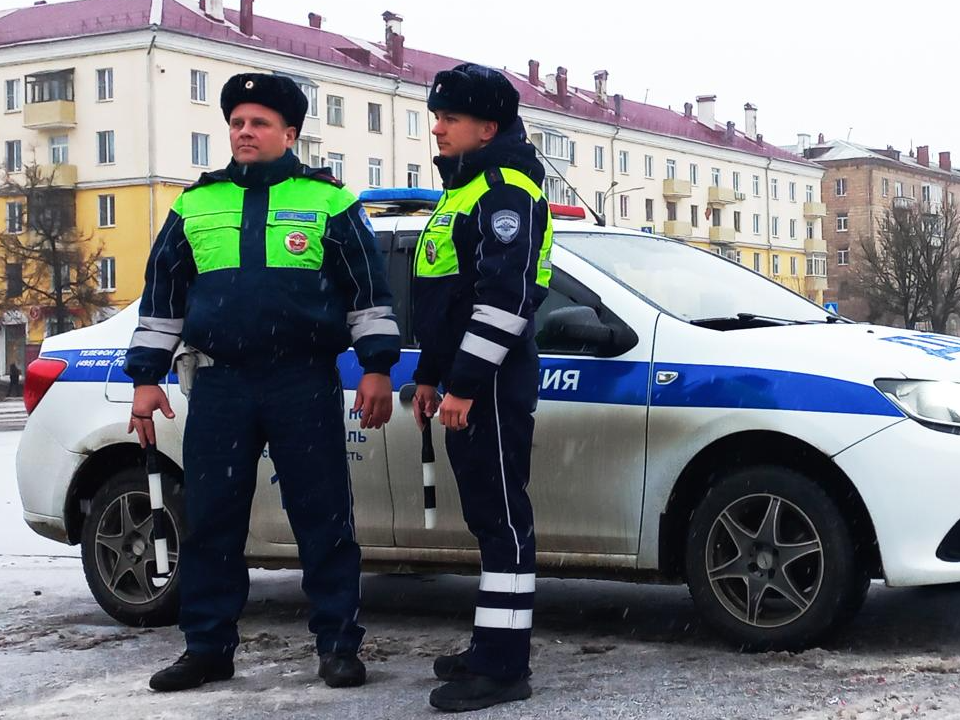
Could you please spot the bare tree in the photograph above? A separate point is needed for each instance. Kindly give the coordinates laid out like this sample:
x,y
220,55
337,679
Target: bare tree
x,y
59,267
912,268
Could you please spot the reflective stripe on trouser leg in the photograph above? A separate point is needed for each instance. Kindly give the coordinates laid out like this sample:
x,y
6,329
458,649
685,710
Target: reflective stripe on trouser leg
x,y
491,460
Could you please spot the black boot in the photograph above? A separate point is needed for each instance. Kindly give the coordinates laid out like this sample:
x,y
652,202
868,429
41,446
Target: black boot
x,y
342,670
451,667
478,692
192,670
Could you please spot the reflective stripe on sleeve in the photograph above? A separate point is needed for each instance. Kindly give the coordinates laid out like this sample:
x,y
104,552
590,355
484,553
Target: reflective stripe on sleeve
x,y
503,619
372,321
507,582
495,317
150,339
165,325
483,348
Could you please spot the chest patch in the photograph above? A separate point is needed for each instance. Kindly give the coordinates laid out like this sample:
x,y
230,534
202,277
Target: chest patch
x,y
442,220
506,225
296,242
298,216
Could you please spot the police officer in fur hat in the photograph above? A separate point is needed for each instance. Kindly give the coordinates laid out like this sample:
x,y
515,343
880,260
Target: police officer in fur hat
x,y
482,268
266,270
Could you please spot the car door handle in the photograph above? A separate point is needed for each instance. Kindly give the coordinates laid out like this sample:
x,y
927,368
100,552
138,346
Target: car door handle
x,y
407,392
665,377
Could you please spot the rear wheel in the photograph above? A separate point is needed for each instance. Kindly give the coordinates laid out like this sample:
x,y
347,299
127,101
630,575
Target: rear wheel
x,y
770,562
117,546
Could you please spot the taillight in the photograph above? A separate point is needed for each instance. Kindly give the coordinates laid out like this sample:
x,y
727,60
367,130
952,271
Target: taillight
x,y
41,374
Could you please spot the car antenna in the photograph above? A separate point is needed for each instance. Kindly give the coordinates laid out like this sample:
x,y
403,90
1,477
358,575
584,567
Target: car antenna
x,y
601,220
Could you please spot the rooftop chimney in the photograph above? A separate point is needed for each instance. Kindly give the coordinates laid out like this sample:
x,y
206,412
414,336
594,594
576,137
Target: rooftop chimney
x,y
945,161
618,104
803,143
600,82
759,139
730,132
246,17
533,72
203,5
315,20
562,86
705,110
750,126
394,40
688,110
819,138
923,155
214,10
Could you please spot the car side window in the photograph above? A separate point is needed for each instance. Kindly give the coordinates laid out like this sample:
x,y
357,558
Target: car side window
x,y
399,274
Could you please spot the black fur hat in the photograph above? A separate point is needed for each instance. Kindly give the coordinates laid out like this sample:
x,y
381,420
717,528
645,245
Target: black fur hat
x,y
475,90
273,91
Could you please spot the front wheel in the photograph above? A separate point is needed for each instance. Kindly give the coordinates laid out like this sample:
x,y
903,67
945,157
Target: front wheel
x,y
770,562
118,553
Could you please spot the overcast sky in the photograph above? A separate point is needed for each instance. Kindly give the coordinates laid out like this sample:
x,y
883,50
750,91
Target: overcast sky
x,y
883,71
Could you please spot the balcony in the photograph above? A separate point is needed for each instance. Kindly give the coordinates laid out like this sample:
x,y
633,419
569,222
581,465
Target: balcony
x,y
674,188
63,176
722,234
677,228
931,207
721,195
53,115
814,209
814,283
815,245
902,202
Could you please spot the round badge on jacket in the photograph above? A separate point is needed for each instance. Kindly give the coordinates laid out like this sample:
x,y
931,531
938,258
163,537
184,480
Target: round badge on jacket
x,y
431,252
296,242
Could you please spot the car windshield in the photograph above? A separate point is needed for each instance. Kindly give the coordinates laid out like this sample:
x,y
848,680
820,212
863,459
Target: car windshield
x,y
691,284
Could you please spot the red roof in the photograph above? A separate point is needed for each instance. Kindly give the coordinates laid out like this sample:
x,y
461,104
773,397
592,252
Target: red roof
x,y
91,17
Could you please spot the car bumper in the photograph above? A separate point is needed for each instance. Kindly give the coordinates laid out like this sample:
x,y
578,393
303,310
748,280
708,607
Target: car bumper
x,y
909,478
44,471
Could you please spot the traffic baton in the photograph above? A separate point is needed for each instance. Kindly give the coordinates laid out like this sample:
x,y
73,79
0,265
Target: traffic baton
x,y
429,478
156,506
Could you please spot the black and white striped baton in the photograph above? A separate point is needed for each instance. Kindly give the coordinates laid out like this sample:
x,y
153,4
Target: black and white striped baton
x,y
156,506
429,478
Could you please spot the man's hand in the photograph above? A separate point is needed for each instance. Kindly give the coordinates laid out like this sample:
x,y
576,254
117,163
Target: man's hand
x,y
454,411
425,404
147,399
374,400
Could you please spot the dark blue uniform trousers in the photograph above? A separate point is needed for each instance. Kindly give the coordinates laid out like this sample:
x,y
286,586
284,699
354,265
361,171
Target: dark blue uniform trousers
x,y
234,411
491,461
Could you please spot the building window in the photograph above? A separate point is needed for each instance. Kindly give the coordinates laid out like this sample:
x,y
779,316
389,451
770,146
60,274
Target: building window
x,y
200,149
715,177
817,265
756,186
774,189
648,209
736,181
885,187
756,224
694,216
373,117
736,221
308,150
898,189
335,110
554,189
841,187
313,99
842,222
413,124
556,146
624,206
775,226
198,86
14,280
671,169
14,217
647,165
598,157
671,210
105,147
793,265
792,192
694,173
809,193
776,264
59,153
104,84
13,95
13,159
756,259
717,217
108,273
413,175
793,229
335,161
374,172
108,210
624,161
843,256
739,257
598,202
809,230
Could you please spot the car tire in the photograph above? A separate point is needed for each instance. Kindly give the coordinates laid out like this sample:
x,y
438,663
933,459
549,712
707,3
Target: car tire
x,y
770,562
118,552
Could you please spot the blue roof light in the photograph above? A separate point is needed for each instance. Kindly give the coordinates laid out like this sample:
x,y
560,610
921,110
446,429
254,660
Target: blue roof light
x,y
384,195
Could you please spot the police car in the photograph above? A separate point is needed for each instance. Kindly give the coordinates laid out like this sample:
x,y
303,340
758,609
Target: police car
x,y
697,422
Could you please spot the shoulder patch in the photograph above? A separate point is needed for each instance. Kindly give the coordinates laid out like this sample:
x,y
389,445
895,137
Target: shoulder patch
x,y
506,225
323,174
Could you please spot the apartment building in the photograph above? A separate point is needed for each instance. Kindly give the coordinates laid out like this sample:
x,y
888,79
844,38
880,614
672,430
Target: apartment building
x,y
122,100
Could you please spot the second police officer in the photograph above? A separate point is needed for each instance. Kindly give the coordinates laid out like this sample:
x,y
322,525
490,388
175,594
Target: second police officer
x,y
482,268
269,269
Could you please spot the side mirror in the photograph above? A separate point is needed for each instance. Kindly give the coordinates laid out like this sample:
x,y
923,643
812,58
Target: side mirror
x,y
576,327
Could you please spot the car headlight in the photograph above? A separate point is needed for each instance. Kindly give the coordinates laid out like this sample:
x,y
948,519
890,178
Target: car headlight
x,y
933,403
